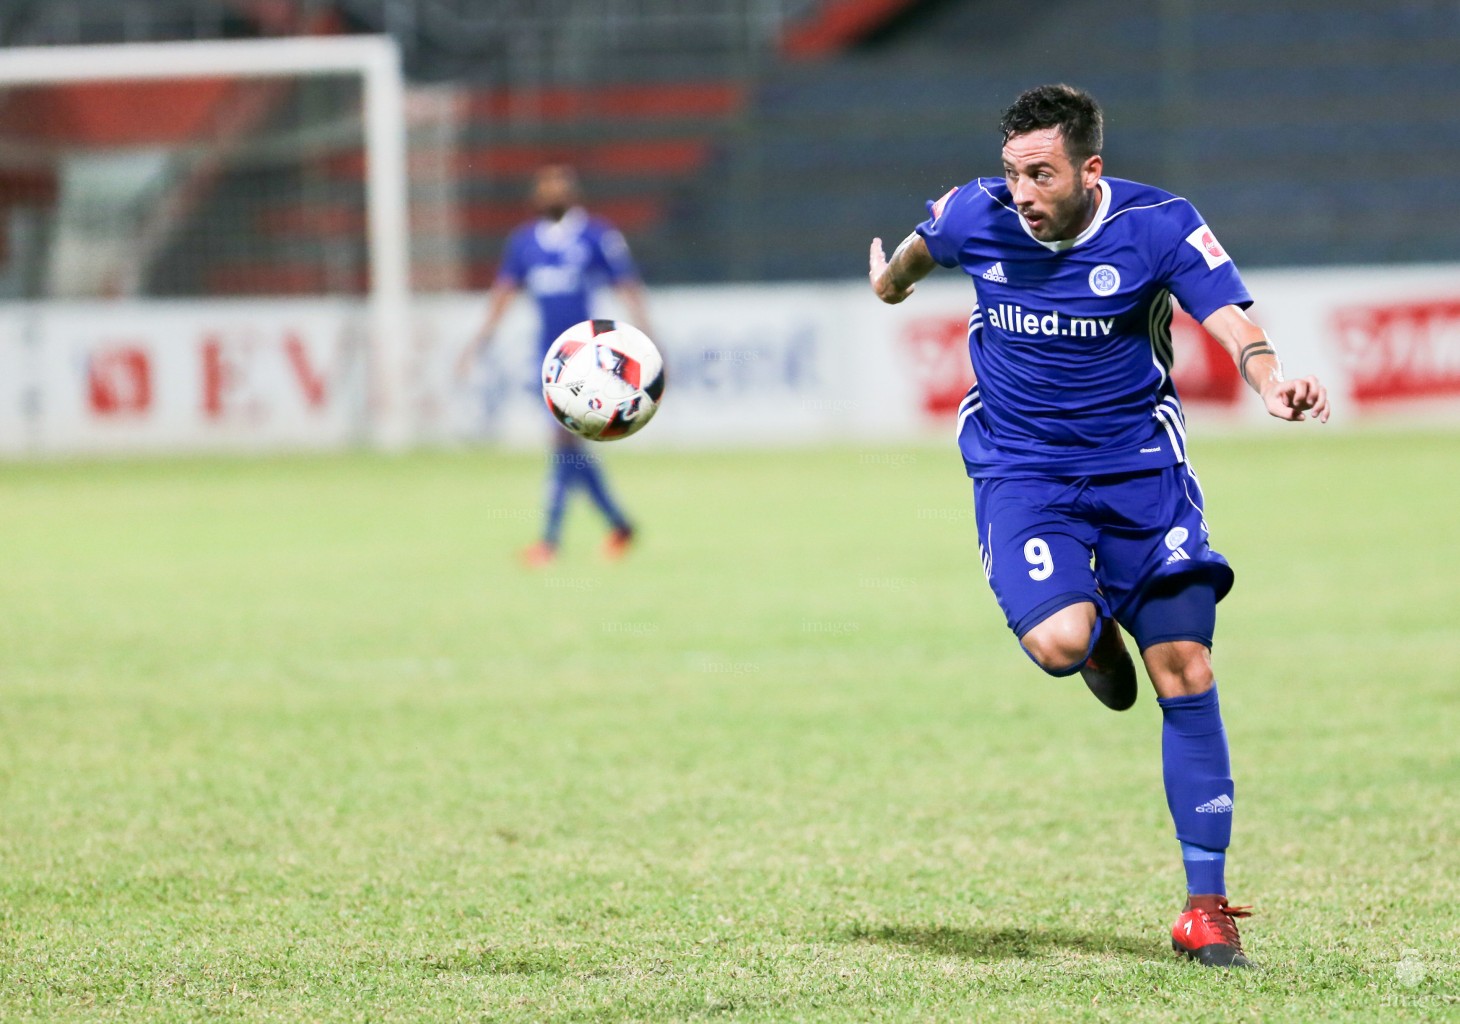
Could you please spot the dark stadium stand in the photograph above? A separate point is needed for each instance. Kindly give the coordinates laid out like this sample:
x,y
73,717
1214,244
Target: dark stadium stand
x,y
1318,133
736,145
638,148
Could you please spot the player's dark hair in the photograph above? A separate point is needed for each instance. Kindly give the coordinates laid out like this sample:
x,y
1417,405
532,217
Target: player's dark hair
x,y
1073,111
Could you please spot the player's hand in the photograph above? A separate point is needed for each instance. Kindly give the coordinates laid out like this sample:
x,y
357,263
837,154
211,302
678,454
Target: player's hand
x,y
468,360
877,273
1297,399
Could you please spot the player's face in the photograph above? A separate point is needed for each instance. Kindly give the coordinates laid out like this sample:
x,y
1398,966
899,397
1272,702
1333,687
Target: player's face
x,y
1056,199
555,192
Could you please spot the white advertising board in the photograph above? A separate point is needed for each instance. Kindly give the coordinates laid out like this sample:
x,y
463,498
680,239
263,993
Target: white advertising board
x,y
747,365
161,376
16,381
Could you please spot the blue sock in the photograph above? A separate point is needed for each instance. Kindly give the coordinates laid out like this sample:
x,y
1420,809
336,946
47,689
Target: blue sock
x,y
592,479
1199,789
1206,870
560,482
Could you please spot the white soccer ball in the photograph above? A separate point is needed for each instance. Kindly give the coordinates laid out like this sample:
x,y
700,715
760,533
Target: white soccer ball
x,y
603,379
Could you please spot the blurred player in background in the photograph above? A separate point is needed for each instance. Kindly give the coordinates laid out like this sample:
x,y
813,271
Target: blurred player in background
x,y
562,258
1076,441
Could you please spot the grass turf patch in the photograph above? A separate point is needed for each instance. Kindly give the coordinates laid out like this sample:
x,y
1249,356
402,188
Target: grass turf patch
x,y
297,739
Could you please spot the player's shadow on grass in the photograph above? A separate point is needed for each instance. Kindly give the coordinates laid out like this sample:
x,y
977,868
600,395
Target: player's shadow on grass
x,y
1002,943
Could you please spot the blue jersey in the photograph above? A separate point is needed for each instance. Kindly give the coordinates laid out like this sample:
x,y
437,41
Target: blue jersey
x,y
1070,341
562,263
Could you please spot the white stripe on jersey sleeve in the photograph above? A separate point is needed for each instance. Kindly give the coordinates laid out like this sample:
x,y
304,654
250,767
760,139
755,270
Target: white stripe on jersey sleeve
x,y
1158,330
995,198
1178,418
1174,430
1186,486
972,403
1148,206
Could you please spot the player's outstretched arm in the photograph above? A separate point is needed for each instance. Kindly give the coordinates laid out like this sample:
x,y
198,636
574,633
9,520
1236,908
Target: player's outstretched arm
x,y
501,297
893,279
1260,367
635,300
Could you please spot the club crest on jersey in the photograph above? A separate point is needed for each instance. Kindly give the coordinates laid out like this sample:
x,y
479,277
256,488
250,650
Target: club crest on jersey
x,y
1104,279
1175,537
1204,242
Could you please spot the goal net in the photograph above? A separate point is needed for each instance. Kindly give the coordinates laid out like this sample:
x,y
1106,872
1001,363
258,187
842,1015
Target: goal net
x,y
203,244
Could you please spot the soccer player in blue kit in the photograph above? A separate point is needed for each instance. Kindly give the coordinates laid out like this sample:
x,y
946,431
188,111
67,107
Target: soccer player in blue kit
x,y
562,259
1089,516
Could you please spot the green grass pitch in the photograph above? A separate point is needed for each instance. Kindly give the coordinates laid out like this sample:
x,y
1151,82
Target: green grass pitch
x,y
298,740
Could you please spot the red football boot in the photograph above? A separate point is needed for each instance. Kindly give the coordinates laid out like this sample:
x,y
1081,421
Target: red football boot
x,y
617,544
1206,932
538,555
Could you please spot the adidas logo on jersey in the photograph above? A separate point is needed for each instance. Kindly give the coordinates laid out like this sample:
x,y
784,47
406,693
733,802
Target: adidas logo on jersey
x,y
1219,805
996,274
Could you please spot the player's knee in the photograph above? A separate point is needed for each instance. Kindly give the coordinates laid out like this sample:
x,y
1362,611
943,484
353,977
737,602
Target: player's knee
x,y
1181,668
1061,643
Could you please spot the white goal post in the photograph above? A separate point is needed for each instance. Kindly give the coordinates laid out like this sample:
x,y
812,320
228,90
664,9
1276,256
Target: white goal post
x,y
376,59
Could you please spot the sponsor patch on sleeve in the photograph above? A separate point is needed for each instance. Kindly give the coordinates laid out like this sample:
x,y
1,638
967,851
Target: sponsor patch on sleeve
x,y
1204,242
936,209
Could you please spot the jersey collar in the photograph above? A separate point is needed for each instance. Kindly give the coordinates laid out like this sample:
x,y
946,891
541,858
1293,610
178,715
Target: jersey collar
x,y
1084,236
554,235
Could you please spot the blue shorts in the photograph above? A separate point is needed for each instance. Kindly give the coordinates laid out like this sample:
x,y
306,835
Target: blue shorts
x,y
1050,542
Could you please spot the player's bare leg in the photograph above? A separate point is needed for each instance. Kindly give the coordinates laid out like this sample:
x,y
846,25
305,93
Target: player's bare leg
x,y
1181,668
1061,644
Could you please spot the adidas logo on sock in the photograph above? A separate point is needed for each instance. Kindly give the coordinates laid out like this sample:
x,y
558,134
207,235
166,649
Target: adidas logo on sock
x,y
1219,805
996,273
